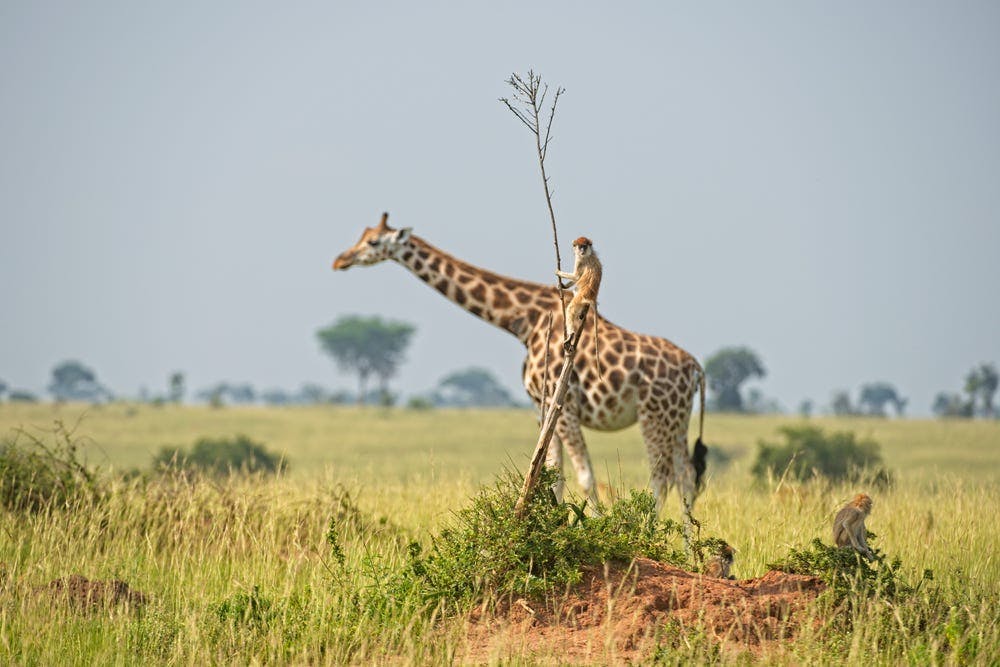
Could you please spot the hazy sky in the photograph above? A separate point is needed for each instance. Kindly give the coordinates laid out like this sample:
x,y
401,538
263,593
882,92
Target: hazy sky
x,y
818,181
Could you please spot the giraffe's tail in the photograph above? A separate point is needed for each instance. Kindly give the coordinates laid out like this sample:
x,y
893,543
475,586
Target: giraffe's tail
x,y
700,453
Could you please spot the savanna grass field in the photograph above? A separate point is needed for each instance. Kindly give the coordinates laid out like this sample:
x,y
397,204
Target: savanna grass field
x,y
244,570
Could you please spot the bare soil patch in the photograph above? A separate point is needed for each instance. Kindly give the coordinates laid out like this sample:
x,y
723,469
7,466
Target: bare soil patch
x,y
619,614
87,595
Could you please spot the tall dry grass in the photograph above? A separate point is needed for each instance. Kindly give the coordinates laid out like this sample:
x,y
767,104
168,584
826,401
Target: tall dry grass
x,y
240,571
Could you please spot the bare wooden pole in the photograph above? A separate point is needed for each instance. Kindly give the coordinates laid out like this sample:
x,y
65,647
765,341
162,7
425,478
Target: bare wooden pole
x,y
551,417
529,99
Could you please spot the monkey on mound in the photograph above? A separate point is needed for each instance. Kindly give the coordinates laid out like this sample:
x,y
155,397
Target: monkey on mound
x,y
849,525
587,278
718,565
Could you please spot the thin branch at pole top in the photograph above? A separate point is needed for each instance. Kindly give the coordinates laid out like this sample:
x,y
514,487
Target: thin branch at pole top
x,y
529,98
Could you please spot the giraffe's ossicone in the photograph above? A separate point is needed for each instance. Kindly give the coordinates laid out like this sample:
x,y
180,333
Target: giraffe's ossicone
x,y
644,378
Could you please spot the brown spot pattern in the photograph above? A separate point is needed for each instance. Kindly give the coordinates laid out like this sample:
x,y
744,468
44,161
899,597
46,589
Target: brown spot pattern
x,y
501,300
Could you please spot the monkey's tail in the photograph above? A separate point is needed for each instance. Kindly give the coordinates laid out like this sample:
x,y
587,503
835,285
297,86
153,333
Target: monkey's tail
x,y
700,453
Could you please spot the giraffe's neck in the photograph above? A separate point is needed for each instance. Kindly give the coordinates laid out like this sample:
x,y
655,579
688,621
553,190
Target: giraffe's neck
x,y
513,305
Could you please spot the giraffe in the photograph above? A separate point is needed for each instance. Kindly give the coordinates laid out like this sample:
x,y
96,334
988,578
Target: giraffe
x,y
644,379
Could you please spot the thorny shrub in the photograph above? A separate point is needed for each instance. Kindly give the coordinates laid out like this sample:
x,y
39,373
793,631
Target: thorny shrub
x,y
35,476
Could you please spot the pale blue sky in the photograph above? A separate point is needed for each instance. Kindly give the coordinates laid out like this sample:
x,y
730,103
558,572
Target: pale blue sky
x,y
818,181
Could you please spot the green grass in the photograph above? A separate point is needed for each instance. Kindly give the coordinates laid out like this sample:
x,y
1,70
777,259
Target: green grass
x,y
198,547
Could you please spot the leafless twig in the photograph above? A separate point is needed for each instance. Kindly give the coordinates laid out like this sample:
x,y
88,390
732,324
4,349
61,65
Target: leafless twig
x,y
529,100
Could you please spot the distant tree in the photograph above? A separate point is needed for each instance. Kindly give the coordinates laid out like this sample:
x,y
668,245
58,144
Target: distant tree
x,y
340,397
275,397
727,370
176,387
981,383
758,404
951,405
420,403
841,404
877,395
3,389
472,387
21,396
990,381
214,395
241,393
72,381
367,346
312,394
806,408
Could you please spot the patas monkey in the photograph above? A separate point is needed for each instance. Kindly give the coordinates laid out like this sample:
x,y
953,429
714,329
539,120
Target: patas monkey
x,y
849,525
586,277
719,564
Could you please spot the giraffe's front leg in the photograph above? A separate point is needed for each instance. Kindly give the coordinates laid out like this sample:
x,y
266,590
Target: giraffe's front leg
x,y
569,432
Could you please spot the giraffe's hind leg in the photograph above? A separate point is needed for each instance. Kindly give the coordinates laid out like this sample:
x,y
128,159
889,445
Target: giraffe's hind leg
x,y
669,464
654,431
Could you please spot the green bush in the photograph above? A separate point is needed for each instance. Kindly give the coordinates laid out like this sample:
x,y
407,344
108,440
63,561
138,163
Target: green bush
x,y
243,608
419,403
846,573
35,476
488,550
222,456
808,451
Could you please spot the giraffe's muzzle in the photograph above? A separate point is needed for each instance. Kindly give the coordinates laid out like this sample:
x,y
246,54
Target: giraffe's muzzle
x,y
343,261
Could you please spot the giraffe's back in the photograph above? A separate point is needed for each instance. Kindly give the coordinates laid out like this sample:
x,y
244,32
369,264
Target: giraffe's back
x,y
634,369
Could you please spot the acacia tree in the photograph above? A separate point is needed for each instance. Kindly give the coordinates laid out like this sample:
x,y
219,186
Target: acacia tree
x,y
176,384
727,370
947,404
72,381
472,386
367,346
841,403
981,382
879,394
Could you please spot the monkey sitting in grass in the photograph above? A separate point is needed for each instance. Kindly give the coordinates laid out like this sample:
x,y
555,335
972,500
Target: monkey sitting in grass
x,y
849,525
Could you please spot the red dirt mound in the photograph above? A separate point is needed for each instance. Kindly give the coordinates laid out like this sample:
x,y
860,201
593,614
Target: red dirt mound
x,y
82,593
615,613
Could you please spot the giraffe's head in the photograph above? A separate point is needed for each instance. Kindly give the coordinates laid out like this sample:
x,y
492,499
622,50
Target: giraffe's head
x,y
377,244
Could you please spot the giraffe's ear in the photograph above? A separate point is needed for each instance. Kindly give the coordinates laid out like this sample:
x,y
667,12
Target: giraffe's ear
x,y
402,235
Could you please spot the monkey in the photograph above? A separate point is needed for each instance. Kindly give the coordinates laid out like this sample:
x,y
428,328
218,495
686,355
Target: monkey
x,y
586,276
849,525
719,564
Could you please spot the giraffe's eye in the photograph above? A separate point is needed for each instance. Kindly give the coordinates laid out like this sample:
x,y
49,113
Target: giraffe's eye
x,y
373,243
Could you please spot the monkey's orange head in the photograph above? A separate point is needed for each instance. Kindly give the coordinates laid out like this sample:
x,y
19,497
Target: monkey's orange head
x,y
583,245
863,502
